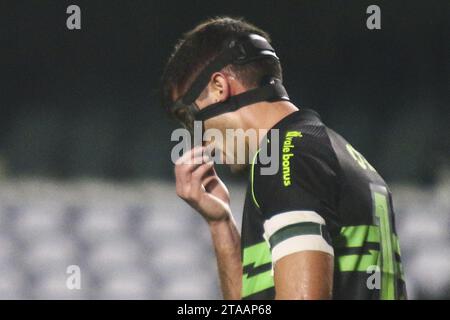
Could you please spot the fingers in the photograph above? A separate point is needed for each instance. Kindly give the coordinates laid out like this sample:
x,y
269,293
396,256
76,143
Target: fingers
x,y
197,178
210,182
188,157
191,191
186,169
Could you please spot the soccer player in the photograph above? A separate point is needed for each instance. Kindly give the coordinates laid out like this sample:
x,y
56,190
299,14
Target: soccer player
x,y
322,227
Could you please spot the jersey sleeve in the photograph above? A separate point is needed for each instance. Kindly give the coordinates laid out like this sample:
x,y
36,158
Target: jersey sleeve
x,y
298,201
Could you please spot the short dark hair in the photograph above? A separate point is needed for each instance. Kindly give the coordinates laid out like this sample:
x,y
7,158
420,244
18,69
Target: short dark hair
x,y
202,44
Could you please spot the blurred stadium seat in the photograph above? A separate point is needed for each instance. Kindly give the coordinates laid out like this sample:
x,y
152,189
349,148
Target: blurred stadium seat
x,y
139,241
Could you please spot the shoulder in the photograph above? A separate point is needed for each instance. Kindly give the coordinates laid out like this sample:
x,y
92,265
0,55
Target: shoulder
x,y
297,168
295,147
302,133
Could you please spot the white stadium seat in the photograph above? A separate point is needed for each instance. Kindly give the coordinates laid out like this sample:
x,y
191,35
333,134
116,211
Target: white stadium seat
x,y
140,241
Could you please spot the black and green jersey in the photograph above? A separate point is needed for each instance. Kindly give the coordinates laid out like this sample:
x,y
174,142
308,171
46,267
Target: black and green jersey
x,y
327,197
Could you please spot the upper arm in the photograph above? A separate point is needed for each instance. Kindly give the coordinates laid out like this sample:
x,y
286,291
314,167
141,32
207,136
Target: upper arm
x,y
302,255
306,275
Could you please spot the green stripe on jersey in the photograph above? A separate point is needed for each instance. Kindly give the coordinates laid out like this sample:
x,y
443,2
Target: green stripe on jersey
x,y
255,256
255,284
357,262
357,236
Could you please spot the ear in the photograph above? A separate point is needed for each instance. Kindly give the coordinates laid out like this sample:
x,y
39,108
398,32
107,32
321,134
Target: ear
x,y
219,87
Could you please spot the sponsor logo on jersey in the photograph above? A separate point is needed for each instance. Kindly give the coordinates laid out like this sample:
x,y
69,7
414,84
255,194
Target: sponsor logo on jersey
x,y
287,155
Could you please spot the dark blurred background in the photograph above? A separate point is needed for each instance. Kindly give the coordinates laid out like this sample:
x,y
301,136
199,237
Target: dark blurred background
x,y
85,102
85,170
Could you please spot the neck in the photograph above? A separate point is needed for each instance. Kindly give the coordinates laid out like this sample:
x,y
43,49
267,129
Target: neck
x,y
265,115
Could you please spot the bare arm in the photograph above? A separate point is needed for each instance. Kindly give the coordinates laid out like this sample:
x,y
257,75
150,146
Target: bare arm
x,y
199,185
227,246
305,275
